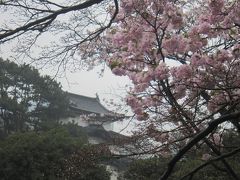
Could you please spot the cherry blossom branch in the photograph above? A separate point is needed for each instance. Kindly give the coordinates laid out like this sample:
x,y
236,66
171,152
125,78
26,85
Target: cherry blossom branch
x,y
182,113
229,154
211,126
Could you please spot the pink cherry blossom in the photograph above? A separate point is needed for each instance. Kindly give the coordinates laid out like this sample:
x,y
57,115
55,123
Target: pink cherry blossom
x,y
206,157
162,71
176,44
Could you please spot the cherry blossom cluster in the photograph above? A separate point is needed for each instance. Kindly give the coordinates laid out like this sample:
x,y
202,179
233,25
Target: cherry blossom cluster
x,y
184,64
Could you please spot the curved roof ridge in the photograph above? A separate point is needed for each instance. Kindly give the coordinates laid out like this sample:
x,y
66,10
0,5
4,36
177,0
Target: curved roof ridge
x,y
82,95
91,104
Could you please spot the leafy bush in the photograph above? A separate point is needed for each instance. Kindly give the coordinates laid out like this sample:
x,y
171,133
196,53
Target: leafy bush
x,y
145,169
43,155
153,168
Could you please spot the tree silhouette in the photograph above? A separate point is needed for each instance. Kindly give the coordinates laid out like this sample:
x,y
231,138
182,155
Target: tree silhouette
x,y
27,99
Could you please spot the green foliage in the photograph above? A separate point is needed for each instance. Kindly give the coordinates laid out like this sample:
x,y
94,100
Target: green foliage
x,y
215,170
84,166
207,173
146,169
27,99
45,155
153,168
26,155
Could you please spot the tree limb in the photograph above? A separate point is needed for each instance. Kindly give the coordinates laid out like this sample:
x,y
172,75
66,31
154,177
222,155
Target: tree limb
x,y
42,23
211,126
235,151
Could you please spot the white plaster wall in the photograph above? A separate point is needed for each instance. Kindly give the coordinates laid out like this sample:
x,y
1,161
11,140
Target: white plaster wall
x,y
108,126
114,173
76,120
81,122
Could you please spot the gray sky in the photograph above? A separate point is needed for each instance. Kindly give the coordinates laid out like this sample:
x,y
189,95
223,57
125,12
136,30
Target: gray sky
x,y
81,82
90,82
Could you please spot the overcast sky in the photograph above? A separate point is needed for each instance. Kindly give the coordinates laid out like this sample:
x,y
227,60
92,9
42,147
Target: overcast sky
x,y
84,82
90,82
80,82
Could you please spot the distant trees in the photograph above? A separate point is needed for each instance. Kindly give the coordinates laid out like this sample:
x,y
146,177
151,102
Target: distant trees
x,y
46,155
27,98
84,165
145,169
152,168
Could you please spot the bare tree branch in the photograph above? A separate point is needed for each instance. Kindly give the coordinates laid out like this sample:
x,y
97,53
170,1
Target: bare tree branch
x,y
42,23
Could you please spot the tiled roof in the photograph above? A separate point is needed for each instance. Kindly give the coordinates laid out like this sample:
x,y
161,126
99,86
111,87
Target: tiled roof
x,y
89,104
101,133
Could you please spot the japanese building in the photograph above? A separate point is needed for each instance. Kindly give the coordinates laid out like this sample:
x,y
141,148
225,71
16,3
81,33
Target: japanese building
x,y
96,120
